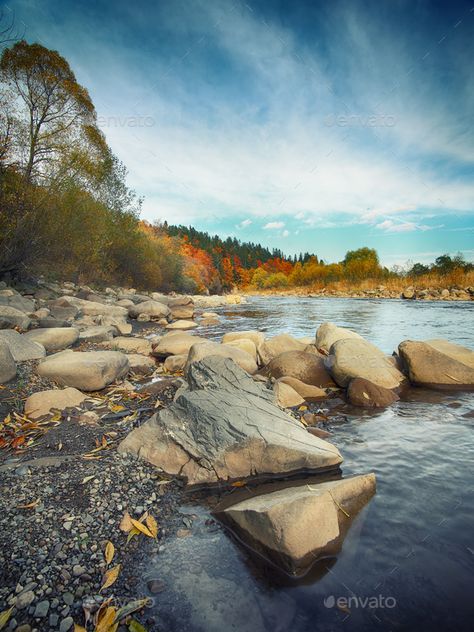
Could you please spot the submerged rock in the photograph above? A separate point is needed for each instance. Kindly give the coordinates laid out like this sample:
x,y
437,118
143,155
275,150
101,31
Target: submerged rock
x,y
438,363
225,426
362,392
294,526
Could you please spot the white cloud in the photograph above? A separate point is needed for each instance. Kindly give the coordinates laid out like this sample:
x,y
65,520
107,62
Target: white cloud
x,y
273,225
285,233
244,223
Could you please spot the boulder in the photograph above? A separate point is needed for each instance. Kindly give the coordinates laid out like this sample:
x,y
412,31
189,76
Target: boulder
x,y
307,367
438,363
175,363
85,370
10,298
41,404
365,394
141,364
277,345
50,323
225,426
152,308
213,315
244,344
64,312
12,317
352,357
329,333
209,322
308,392
89,308
55,338
21,348
408,293
160,298
182,324
175,343
182,311
121,325
294,526
129,345
203,349
99,333
257,337
286,396
7,363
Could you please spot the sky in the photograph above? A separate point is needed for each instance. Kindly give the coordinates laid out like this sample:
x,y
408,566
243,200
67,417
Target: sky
x,y
318,126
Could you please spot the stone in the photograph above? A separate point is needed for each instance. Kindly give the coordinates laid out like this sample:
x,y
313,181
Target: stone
x,y
209,322
12,317
257,337
11,298
366,394
352,357
309,368
52,323
175,363
66,624
40,404
244,344
294,526
329,333
41,609
99,333
86,370
286,396
175,344
203,349
182,311
54,339
277,345
129,345
182,324
225,426
152,308
210,315
319,432
308,392
89,308
121,325
63,312
21,347
24,599
141,364
7,363
438,363
408,293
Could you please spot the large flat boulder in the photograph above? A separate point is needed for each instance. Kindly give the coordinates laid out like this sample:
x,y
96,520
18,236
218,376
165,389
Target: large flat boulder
x,y
182,324
277,345
355,357
438,363
153,309
11,317
85,370
10,298
41,404
129,345
329,333
7,363
21,347
225,426
244,344
89,308
175,343
99,333
310,368
204,349
294,526
54,338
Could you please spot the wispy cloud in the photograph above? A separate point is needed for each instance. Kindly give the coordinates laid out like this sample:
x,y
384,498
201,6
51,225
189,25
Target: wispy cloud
x,y
245,223
273,225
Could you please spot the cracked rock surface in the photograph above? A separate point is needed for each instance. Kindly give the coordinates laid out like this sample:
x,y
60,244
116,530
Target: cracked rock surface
x,y
226,426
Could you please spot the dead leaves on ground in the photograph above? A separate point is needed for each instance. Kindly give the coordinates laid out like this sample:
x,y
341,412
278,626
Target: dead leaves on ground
x,y
4,617
17,432
111,576
146,524
108,617
109,552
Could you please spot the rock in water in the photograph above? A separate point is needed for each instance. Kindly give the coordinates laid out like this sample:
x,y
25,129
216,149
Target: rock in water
x,y
87,371
204,349
286,395
226,426
306,367
438,363
361,392
7,363
175,344
277,345
294,526
351,357
329,333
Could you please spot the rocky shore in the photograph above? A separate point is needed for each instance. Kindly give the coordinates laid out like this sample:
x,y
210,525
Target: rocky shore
x,y
114,404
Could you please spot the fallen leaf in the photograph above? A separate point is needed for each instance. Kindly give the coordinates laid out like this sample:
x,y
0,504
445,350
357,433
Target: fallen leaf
x,y
130,607
29,505
86,479
126,523
110,576
4,616
141,527
132,533
303,408
238,484
134,626
79,628
109,552
152,525
18,441
106,620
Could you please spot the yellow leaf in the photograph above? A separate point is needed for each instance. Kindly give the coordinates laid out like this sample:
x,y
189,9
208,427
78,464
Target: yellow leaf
x,y
106,620
134,626
132,533
109,552
303,408
126,523
111,576
238,484
86,479
79,628
29,505
152,525
4,616
141,527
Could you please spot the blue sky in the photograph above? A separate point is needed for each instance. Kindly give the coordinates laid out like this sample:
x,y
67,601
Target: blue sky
x,y
319,126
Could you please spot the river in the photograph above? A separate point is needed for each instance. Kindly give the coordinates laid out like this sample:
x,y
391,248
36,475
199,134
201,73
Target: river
x,y
408,561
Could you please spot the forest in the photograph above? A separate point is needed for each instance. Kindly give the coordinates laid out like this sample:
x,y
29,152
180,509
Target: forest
x,y
66,211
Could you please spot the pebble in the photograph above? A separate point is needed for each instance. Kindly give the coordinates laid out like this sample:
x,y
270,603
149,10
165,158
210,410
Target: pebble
x,y
68,598
66,624
41,609
25,599
78,570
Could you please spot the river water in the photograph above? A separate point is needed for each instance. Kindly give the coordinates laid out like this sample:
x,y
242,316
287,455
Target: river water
x,y
408,561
